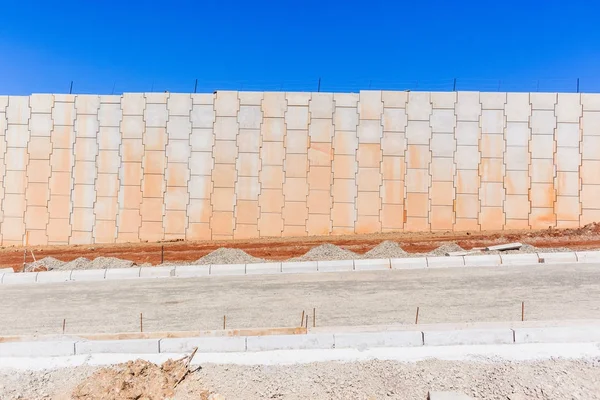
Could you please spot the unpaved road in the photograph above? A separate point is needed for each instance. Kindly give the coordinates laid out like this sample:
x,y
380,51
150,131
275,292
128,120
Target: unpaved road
x,y
341,299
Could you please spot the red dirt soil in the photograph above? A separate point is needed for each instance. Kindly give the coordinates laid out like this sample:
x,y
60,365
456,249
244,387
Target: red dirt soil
x,y
587,237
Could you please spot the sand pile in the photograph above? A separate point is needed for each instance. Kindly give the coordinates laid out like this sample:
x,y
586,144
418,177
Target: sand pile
x,y
228,256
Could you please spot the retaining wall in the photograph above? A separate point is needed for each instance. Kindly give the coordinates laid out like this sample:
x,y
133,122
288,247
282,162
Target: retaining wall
x,y
83,169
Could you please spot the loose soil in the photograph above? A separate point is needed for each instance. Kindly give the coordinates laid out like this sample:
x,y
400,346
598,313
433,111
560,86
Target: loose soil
x,y
587,237
555,379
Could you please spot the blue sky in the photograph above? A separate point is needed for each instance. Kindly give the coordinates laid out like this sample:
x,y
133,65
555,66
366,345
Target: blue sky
x,y
132,45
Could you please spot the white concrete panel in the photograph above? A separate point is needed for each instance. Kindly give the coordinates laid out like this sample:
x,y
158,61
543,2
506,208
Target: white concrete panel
x,y
419,106
299,267
518,107
569,108
468,107
445,262
158,272
62,348
227,269
20,278
366,340
335,266
122,273
191,271
519,259
131,346
290,342
543,101
53,276
443,100
556,334
409,263
263,268
488,260
372,264
223,344
85,275
492,100
468,337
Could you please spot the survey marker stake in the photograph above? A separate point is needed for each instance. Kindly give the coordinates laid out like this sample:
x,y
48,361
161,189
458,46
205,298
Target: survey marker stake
x,y
306,324
64,324
141,323
302,319
162,254
522,311
417,317
314,317
224,321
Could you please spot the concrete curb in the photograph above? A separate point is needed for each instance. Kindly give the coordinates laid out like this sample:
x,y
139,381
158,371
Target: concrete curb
x,y
311,341
273,268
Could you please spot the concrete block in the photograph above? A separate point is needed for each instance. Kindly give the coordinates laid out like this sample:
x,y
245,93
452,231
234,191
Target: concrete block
x,y
566,334
588,256
543,101
53,276
445,262
20,278
227,269
447,396
409,263
443,121
84,275
290,342
519,259
122,273
467,337
557,258
372,265
491,260
298,267
335,266
419,106
61,348
222,344
133,346
158,272
263,268
365,340
191,271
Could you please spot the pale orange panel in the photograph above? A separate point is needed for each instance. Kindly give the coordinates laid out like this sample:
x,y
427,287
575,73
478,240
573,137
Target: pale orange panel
x,y
151,209
175,222
393,167
39,148
590,196
320,154
442,218
107,185
132,173
36,218
60,183
590,172
517,224
318,224
127,237
37,194
82,219
295,189
567,208
106,208
345,143
343,214
466,224
467,206
442,194
491,194
418,156
270,201
542,218
517,206
198,231
152,231
392,192
152,185
442,169
392,216
38,171
270,224
295,213
589,216
78,237
177,174
296,165
61,160
132,150
319,202
516,182
492,145
417,205
58,230
222,223
491,169
542,195
200,210
224,175
132,197
246,212
38,238
367,224
369,155
129,221
491,218
105,231
369,179
244,231
344,190
272,153
59,207
223,199
272,129
344,167
271,177
567,224
368,203
417,224
155,162
225,152
568,184
319,178
291,231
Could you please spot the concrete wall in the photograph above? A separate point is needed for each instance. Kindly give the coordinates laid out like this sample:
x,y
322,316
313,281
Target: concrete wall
x,y
153,166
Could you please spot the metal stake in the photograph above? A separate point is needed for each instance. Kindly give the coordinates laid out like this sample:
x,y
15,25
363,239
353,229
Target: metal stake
x,y
417,316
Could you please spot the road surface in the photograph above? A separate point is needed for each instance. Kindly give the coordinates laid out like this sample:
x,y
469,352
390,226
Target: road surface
x,y
341,299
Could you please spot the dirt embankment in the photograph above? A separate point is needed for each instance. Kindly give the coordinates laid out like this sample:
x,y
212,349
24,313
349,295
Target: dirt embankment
x,y
587,237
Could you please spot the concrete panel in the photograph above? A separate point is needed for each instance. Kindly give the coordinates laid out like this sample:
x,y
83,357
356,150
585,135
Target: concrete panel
x,y
130,346
321,105
394,99
468,106
61,348
445,262
346,99
335,266
53,276
367,340
409,263
557,258
519,259
468,337
588,256
20,278
290,342
227,269
567,334
161,272
263,268
491,260
419,106
204,344
543,101
372,264
189,271
299,267
122,273
88,275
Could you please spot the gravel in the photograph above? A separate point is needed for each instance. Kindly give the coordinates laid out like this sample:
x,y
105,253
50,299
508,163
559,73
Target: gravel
x,y
327,251
387,249
445,248
49,262
78,263
228,256
110,262
482,379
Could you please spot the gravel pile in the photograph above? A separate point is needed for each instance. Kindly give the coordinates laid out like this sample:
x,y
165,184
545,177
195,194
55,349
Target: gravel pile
x,y
228,256
482,379
445,248
49,262
110,262
78,263
327,251
387,249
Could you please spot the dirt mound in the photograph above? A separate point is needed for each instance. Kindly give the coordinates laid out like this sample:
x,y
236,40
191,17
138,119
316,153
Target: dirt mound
x,y
133,380
45,264
78,263
387,249
228,256
326,251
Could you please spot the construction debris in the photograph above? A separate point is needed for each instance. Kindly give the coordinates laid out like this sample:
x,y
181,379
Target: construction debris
x,y
504,247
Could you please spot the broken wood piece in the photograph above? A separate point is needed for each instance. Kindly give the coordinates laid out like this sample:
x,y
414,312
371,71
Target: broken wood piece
x,y
504,247
462,253
187,367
